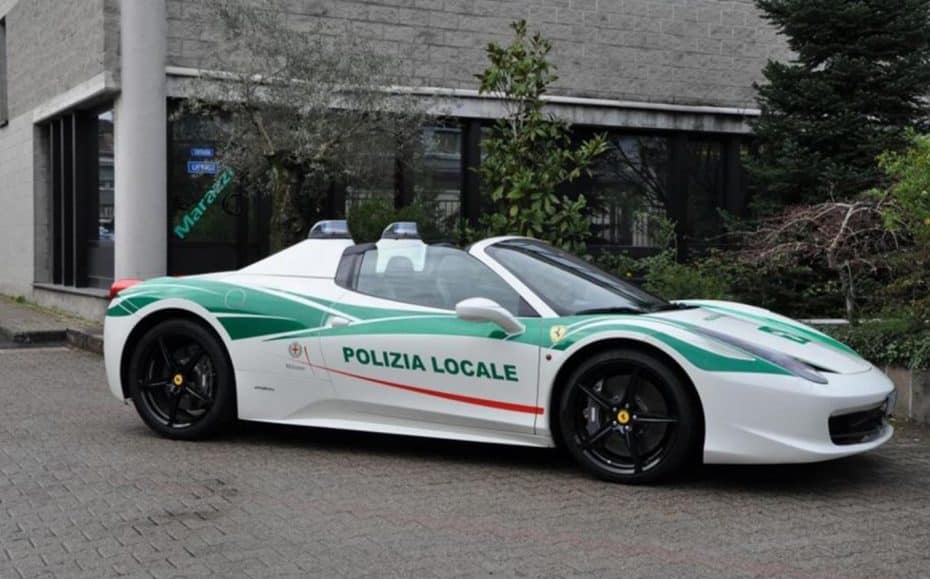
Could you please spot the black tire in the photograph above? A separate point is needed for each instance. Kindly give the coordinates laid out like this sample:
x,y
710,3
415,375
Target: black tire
x,y
635,436
181,381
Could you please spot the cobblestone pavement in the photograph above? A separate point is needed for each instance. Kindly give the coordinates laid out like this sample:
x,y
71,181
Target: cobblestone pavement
x,y
86,489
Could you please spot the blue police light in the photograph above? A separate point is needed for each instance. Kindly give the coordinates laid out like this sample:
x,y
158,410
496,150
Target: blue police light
x,y
401,230
330,229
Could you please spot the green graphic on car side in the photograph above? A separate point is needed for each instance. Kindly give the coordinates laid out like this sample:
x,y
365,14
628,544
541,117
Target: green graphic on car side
x,y
272,314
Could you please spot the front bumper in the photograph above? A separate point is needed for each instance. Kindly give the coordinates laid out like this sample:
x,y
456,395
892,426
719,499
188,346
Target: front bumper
x,y
758,419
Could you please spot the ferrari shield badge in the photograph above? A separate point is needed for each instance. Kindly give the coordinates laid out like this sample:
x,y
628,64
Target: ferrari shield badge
x,y
556,333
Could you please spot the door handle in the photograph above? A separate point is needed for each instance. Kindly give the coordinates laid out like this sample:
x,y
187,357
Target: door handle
x,y
337,322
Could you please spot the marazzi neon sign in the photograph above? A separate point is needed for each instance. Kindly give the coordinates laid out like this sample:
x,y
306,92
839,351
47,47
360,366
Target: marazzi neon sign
x,y
192,217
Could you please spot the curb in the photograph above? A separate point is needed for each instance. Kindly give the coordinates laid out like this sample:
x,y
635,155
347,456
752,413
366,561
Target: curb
x,y
85,340
35,337
75,337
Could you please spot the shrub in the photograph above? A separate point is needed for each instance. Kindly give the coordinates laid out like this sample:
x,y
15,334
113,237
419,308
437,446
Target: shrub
x,y
891,342
529,154
798,292
910,171
368,218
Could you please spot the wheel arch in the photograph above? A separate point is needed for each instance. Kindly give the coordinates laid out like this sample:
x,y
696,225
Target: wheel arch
x,y
576,358
151,320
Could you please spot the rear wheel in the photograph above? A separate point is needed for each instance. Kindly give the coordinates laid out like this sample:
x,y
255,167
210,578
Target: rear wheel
x,y
626,416
181,381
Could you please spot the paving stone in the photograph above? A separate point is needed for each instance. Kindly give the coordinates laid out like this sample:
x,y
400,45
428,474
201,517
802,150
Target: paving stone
x,y
87,491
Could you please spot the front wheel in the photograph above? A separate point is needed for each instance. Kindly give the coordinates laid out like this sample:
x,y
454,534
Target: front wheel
x,y
181,380
626,416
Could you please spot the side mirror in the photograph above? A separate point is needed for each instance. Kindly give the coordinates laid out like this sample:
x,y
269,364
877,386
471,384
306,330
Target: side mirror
x,y
485,310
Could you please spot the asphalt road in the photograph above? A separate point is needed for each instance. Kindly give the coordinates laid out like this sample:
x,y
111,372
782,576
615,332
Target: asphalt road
x,y
87,490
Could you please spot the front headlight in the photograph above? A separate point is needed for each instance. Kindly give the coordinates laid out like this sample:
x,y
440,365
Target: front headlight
x,y
789,363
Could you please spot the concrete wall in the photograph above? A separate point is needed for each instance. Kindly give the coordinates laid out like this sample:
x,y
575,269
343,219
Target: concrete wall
x,y
53,48
913,388
53,45
16,206
696,52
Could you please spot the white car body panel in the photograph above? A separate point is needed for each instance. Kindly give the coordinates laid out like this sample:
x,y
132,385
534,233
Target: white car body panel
x,y
303,374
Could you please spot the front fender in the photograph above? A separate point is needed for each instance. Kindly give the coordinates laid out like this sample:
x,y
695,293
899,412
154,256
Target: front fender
x,y
699,357
120,325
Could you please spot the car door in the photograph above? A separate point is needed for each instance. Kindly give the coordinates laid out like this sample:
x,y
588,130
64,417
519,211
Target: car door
x,y
400,355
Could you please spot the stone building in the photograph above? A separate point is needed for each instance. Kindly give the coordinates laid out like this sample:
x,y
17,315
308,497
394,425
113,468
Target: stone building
x,y
95,172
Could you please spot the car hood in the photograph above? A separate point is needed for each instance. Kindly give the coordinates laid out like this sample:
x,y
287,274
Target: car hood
x,y
769,330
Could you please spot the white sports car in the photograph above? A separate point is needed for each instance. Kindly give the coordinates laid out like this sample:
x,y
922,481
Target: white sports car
x,y
510,341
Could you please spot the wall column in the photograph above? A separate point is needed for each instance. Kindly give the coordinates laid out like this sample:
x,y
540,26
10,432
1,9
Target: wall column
x,y
140,142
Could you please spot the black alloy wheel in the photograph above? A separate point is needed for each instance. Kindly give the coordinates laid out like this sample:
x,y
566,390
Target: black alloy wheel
x,y
625,416
181,381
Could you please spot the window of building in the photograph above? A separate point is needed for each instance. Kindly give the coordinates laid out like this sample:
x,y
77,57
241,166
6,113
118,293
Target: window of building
x,y
4,111
100,205
433,276
438,175
214,222
426,173
628,188
706,193
376,177
687,178
81,195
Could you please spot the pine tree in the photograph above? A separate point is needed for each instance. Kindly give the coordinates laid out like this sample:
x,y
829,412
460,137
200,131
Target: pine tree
x,y
859,77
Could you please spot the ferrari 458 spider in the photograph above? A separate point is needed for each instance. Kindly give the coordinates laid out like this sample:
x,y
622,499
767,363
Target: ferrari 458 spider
x,y
508,341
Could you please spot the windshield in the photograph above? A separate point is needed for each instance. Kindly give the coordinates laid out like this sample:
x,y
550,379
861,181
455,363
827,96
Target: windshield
x,y
569,285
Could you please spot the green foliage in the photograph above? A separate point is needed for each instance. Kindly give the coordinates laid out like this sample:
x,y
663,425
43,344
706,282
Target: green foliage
x,y
662,274
367,219
665,276
529,154
890,342
799,292
20,299
856,83
910,172
905,290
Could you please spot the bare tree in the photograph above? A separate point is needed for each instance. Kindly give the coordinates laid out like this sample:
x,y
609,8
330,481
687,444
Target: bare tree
x,y
850,237
299,107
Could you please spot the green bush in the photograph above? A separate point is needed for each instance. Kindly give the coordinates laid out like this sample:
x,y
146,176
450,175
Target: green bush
x,y
891,342
662,275
910,171
799,292
529,154
368,218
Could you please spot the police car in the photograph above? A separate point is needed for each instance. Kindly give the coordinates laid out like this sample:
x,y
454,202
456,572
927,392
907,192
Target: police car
x,y
508,341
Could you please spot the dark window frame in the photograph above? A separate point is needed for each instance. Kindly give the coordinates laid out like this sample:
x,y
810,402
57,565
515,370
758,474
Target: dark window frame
x,y
74,196
4,92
